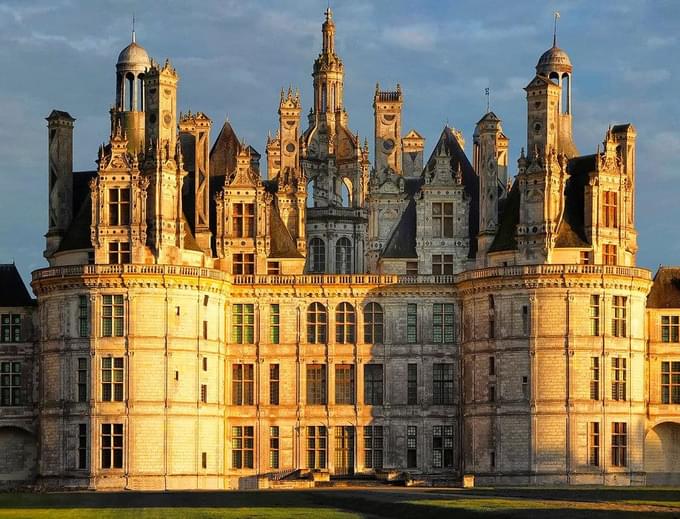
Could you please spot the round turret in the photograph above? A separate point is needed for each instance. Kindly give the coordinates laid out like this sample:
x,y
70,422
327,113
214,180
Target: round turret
x,y
133,57
553,60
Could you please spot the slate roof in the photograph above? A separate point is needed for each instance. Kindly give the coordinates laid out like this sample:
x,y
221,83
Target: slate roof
x,y
402,243
282,244
665,291
505,239
77,235
571,232
13,292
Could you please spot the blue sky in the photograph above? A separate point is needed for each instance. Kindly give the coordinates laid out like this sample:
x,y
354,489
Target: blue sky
x,y
233,58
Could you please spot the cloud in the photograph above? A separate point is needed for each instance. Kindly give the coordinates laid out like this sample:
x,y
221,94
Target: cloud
x,y
655,42
100,45
416,37
646,77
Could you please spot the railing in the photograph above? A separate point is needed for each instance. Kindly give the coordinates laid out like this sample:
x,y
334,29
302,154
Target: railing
x,y
338,279
553,269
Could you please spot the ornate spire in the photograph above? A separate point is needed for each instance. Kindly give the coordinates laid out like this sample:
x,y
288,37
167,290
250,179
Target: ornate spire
x,y
556,15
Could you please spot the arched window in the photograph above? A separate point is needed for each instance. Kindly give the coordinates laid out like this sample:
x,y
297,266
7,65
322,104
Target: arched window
x,y
140,91
316,323
130,97
345,321
566,93
343,256
373,323
317,254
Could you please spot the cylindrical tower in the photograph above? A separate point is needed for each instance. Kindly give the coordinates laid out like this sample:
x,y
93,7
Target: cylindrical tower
x,y
553,374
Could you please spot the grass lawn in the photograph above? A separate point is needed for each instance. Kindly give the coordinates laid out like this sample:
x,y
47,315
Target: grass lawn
x,y
171,513
349,503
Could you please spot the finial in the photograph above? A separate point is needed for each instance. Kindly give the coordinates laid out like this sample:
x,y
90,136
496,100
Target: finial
x,y
134,38
329,13
556,15
487,93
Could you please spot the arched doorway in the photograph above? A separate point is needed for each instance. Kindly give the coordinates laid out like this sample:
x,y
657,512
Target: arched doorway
x,y
662,454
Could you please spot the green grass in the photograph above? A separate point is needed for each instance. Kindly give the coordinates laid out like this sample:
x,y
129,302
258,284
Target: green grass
x,y
171,513
352,503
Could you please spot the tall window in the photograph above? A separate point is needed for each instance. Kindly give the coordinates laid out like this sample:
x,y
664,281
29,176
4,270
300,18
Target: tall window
x,y
10,383
274,384
119,206
316,323
82,446
609,254
242,447
594,378
442,446
594,444
317,253
82,379
609,209
344,324
412,323
618,378
112,445
411,446
442,322
243,220
595,315
316,384
373,447
113,315
112,379
243,324
274,447
619,444
316,446
119,252
83,317
492,317
373,323
670,382
670,328
344,384
244,264
412,384
442,264
242,384
274,324
619,316
442,384
343,256
10,328
584,257
373,384
442,219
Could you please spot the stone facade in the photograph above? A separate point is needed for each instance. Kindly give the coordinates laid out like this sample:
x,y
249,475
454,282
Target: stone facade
x,y
202,325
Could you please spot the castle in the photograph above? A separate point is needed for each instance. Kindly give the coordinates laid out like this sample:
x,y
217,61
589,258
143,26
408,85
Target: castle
x,y
202,327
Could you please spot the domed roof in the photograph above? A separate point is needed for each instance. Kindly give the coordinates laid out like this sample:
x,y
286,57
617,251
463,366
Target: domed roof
x,y
133,55
554,59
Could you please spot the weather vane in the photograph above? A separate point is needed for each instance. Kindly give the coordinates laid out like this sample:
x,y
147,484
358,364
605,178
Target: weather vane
x,y
487,93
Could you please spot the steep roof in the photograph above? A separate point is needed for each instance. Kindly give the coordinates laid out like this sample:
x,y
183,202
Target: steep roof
x,y
571,232
77,235
13,292
402,243
665,291
505,239
224,151
282,244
